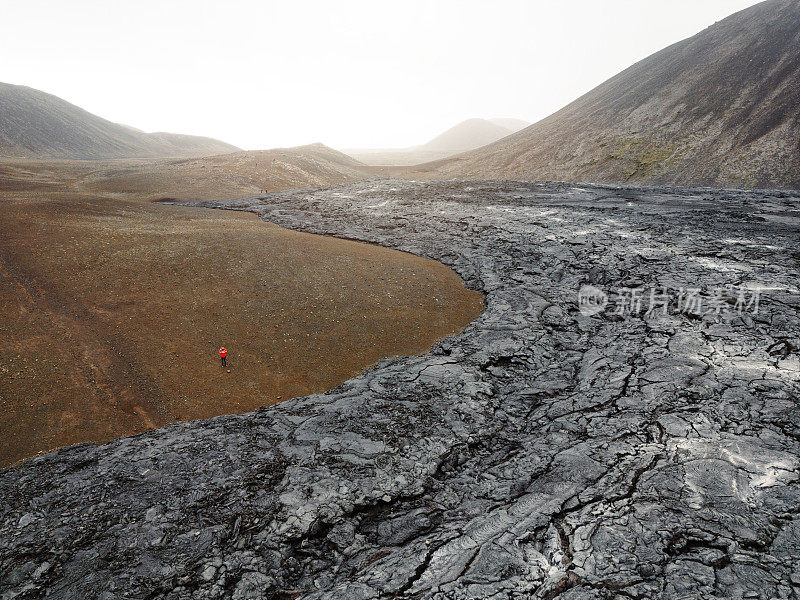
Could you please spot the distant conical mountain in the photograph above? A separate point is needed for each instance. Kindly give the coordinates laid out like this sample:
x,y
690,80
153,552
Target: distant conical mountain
x,y
513,125
35,124
721,108
467,135
470,134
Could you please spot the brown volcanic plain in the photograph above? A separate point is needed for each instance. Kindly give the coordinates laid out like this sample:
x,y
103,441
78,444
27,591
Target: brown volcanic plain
x,y
112,308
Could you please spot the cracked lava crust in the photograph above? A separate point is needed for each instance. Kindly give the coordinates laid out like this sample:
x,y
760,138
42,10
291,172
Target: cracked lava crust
x,y
538,454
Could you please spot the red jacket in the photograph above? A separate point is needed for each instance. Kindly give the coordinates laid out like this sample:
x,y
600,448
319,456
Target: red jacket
x,y
223,352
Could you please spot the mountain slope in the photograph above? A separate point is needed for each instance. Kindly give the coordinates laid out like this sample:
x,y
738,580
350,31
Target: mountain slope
x,y
467,135
224,176
721,108
34,124
513,125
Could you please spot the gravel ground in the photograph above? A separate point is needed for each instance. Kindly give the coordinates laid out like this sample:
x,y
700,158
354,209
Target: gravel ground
x,y
112,310
560,447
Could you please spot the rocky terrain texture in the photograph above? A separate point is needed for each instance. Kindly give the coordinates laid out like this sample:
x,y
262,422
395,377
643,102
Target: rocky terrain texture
x,y
34,124
541,453
721,108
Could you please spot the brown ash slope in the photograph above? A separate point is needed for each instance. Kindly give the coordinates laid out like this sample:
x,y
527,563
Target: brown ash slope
x,y
721,108
34,124
539,454
234,173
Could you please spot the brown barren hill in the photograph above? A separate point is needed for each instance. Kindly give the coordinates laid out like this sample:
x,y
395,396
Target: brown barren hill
x,y
721,108
233,174
112,308
35,124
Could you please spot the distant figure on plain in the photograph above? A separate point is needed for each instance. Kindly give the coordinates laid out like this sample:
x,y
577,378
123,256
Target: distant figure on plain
x,y
223,353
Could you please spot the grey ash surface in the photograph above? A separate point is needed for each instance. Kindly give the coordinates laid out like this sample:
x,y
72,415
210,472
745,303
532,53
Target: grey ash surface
x,y
539,454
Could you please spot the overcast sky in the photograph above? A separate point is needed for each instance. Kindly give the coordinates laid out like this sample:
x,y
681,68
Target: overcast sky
x,y
350,74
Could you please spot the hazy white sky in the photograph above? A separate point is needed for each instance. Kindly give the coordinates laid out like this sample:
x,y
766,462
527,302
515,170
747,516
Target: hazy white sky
x,y
262,74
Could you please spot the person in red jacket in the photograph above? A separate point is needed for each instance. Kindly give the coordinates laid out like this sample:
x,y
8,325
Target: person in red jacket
x,y
223,353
